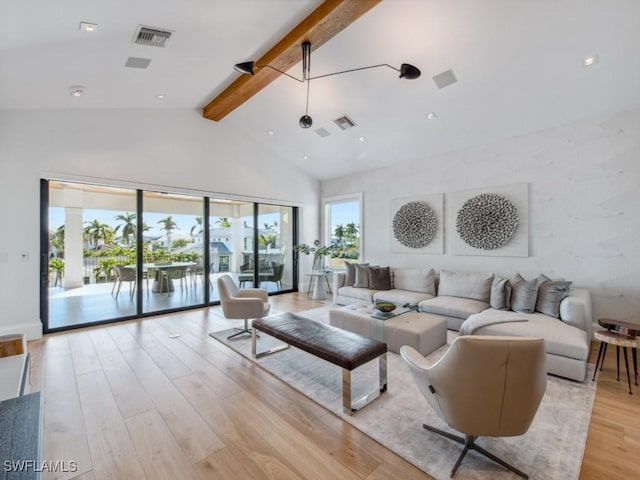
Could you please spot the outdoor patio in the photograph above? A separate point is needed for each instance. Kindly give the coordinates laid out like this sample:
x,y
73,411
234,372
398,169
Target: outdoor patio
x,y
95,302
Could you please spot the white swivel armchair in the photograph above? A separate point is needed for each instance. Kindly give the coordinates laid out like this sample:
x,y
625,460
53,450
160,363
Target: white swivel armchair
x,y
483,386
242,304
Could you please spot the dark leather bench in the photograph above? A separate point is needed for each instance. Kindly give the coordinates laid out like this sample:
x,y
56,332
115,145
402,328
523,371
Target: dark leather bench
x,y
340,347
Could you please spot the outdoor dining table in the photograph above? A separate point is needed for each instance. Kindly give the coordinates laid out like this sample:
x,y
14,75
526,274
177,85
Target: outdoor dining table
x,y
158,267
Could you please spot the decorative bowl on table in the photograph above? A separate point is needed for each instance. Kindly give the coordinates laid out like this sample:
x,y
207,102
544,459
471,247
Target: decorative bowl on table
x,y
385,307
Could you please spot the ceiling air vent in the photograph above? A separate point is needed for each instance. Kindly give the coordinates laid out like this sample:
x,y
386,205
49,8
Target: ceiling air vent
x,y
344,122
445,79
153,37
135,62
323,132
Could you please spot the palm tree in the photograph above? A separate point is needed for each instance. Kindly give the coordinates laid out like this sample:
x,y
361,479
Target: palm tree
x,y
198,225
96,231
57,238
223,222
339,233
351,231
168,225
129,227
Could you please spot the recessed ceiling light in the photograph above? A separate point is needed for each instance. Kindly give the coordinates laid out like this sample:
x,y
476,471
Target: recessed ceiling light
x,y
161,96
88,27
77,91
269,132
589,61
362,139
431,115
306,157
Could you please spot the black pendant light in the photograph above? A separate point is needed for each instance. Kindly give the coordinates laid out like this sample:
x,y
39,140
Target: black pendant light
x,y
407,71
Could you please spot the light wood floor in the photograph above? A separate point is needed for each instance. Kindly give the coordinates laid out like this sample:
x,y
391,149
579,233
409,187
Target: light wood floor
x,y
129,401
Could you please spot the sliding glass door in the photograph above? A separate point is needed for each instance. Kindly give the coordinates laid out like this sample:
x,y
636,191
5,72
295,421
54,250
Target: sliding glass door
x,y
111,253
91,254
275,243
173,251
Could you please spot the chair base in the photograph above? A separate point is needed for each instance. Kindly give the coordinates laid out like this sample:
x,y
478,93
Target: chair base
x,y
469,444
241,330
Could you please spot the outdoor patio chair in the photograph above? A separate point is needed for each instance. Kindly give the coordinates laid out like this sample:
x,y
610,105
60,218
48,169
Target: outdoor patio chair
x,y
124,274
170,274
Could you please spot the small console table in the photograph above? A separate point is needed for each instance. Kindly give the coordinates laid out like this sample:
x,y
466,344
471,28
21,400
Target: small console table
x,y
621,334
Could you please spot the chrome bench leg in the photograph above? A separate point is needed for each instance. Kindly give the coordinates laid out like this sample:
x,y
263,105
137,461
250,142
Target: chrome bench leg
x,y
349,407
255,353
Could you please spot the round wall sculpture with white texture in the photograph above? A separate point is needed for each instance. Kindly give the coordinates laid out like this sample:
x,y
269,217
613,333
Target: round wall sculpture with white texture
x,y
487,221
415,224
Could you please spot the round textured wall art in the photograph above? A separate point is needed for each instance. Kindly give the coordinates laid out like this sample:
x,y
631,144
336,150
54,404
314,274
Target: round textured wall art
x,y
487,221
415,224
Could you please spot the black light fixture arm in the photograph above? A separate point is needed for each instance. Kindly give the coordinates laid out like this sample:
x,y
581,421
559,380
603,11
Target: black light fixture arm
x,y
354,70
407,71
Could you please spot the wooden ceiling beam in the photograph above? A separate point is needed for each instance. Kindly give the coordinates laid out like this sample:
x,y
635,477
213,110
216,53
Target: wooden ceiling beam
x,y
326,21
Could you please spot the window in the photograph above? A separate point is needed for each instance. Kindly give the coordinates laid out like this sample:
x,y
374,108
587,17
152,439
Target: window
x,y
343,227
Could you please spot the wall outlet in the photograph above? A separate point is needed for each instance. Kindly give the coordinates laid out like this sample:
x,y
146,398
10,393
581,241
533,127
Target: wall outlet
x,y
4,257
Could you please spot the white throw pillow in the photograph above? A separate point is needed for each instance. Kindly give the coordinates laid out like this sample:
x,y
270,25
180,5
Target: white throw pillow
x,y
420,280
476,286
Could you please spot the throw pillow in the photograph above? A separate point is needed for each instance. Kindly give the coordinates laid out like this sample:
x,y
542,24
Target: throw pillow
x,y
420,280
524,294
476,286
501,294
550,294
350,277
379,278
362,276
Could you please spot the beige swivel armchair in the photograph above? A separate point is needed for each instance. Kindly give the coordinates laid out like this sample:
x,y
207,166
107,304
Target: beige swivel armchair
x,y
483,386
242,304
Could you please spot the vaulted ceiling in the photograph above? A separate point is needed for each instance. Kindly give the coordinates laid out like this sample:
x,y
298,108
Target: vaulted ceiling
x,y
519,68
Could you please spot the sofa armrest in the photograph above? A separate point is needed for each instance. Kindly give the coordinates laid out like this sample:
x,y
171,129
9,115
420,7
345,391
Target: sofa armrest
x,y
338,282
575,309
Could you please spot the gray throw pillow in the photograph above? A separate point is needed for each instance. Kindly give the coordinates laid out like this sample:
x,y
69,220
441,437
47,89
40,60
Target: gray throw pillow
x,y
379,278
362,276
350,277
550,294
501,294
524,294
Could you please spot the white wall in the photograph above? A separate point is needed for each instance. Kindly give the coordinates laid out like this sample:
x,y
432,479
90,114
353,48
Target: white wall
x,y
170,148
584,206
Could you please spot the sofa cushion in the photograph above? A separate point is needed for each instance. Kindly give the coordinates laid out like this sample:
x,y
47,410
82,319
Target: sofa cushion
x,y
500,294
364,294
401,297
559,338
476,286
421,280
350,269
550,294
452,306
379,278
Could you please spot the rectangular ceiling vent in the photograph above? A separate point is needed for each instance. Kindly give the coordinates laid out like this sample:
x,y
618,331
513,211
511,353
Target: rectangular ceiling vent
x,y
445,79
323,132
153,37
135,62
344,122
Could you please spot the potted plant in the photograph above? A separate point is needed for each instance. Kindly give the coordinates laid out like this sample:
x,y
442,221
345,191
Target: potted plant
x,y
319,252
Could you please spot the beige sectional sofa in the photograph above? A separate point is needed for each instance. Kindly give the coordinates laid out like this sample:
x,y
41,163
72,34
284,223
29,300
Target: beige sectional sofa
x,y
466,299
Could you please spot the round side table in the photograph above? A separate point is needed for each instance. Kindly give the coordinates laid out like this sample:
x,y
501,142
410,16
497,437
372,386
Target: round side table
x,y
607,337
625,328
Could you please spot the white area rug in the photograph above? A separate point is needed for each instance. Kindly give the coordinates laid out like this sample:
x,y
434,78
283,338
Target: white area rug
x,y
551,449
